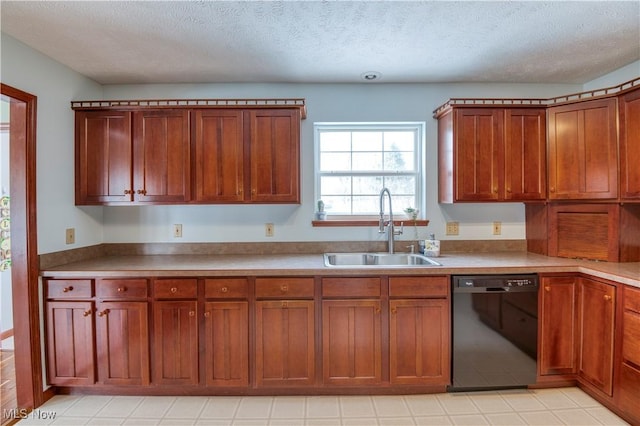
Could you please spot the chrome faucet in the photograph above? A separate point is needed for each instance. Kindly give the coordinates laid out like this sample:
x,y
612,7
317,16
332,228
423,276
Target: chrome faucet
x,y
391,231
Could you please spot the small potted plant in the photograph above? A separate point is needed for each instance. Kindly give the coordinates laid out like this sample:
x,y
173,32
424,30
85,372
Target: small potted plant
x,y
320,213
413,215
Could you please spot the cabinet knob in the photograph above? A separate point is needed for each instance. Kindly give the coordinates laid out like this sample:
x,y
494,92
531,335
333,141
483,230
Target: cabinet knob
x,y
86,313
128,192
253,191
552,189
207,314
607,297
122,289
393,311
547,288
509,190
224,289
285,304
142,191
67,289
103,313
495,189
378,310
192,313
174,289
284,288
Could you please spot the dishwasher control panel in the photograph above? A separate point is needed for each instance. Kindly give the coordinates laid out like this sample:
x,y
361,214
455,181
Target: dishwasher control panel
x,y
528,282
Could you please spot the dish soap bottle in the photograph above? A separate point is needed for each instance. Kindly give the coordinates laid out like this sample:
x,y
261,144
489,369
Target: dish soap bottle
x,y
432,246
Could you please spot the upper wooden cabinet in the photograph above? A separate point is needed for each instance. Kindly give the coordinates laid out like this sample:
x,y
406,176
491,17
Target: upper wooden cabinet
x,y
187,154
629,111
124,156
583,151
492,154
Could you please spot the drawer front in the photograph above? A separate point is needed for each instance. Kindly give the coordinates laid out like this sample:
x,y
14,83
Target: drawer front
x,y
351,287
631,339
631,299
628,391
408,287
278,288
226,288
69,289
122,289
186,288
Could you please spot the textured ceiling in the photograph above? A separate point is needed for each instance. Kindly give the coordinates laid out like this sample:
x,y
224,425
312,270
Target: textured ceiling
x,y
331,41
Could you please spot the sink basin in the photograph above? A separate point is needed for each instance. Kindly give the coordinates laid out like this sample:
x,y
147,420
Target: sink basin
x,y
372,260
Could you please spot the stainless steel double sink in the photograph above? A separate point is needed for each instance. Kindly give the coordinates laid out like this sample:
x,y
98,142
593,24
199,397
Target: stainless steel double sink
x,y
380,260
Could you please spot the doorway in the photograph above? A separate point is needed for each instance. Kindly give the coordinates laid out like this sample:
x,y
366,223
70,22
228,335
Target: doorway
x,y
23,247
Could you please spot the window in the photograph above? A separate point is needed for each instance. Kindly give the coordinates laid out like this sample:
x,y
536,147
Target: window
x,y
354,161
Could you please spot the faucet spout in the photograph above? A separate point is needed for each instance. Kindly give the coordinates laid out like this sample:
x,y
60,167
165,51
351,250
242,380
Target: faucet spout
x,y
391,232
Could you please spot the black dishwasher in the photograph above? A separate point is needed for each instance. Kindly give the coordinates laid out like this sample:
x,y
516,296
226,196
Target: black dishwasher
x,y
495,331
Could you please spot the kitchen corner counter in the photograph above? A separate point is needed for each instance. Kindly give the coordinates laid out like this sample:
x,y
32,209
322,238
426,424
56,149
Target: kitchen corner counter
x,y
313,264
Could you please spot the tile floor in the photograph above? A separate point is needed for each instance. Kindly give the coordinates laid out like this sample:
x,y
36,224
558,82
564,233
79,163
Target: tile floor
x,y
566,406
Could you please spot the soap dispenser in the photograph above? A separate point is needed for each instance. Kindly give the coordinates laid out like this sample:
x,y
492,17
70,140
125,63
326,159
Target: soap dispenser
x,y
432,246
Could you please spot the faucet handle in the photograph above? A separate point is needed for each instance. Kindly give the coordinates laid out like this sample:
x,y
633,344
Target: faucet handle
x,y
401,231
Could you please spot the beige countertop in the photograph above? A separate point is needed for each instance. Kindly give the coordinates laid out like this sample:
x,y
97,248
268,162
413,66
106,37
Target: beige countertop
x,y
313,264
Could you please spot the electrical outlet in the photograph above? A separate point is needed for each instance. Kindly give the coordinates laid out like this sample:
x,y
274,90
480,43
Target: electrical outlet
x,y
497,228
177,230
268,229
452,228
70,235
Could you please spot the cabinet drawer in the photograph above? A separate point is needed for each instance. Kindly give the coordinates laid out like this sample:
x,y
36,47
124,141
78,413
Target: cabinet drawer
x,y
631,339
631,299
226,288
284,287
351,287
121,289
418,287
175,289
628,391
69,289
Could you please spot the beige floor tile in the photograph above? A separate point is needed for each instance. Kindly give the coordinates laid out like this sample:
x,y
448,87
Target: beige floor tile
x,y
287,422
396,421
424,405
522,400
356,406
576,416
87,406
105,421
186,407
177,422
432,420
490,402
141,422
359,421
541,418
579,397
390,406
220,407
469,419
506,419
71,421
287,407
322,422
214,422
554,399
120,406
323,406
605,416
153,407
256,407
457,403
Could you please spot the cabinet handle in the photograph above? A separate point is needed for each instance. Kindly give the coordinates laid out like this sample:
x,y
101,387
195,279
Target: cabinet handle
x,y
495,189
393,311
142,191
122,289
192,313
103,313
284,288
224,289
253,191
174,289
86,313
285,305
378,310
547,288
509,190
607,297
67,289
552,189
207,314
128,191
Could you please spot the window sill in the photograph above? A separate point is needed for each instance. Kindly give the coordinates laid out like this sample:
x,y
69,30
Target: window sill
x,y
342,221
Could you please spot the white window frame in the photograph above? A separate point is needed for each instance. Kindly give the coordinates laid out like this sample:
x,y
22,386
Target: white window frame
x,y
419,146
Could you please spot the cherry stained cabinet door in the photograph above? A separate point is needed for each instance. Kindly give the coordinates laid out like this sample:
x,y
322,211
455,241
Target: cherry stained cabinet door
x,y
351,342
525,154
175,350
597,304
274,155
226,360
559,334
122,334
103,157
583,151
479,153
285,343
70,343
219,155
629,105
161,154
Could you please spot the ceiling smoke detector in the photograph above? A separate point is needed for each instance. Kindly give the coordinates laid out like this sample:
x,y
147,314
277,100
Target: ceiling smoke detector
x,y
371,76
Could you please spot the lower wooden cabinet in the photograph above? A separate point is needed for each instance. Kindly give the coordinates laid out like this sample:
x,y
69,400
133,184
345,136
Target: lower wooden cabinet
x,y
559,335
597,311
628,367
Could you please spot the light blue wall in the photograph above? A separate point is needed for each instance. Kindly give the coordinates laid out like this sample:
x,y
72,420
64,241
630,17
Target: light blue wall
x,y
56,85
